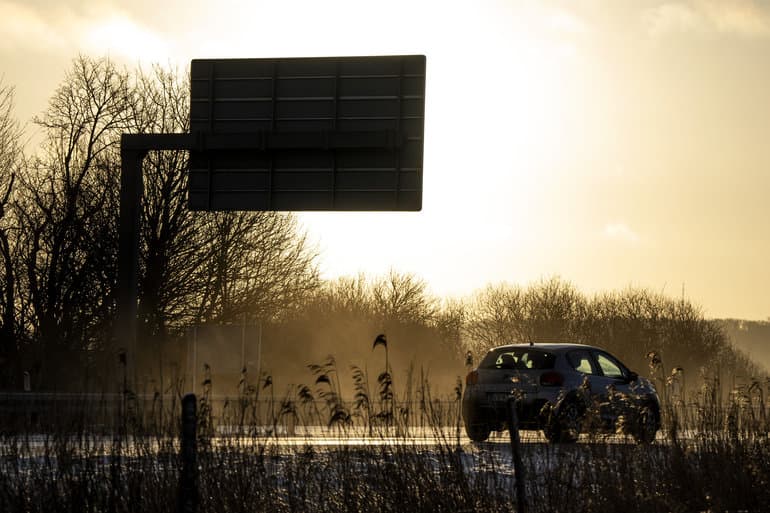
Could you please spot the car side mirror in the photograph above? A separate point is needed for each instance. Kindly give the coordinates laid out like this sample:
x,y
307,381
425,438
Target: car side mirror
x,y
632,376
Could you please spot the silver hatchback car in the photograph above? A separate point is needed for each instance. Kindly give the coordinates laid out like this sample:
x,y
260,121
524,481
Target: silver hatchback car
x,y
562,389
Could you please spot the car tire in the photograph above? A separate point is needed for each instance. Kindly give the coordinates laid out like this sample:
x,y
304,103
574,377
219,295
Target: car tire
x,y
477,430
647,424
565,422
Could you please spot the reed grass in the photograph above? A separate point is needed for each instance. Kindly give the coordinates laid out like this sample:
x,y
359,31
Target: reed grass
x,y
714,455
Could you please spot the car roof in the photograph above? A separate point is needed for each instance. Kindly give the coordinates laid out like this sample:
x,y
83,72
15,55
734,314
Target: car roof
x,y
550,346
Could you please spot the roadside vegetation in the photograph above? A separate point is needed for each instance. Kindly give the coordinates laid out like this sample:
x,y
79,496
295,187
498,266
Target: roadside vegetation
x,y
122,454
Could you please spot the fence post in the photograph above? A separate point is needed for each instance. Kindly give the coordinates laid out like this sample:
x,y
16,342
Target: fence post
x,y
518,467
188,479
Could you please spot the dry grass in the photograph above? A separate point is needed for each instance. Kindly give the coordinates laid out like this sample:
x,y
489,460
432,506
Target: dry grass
x,y
716,457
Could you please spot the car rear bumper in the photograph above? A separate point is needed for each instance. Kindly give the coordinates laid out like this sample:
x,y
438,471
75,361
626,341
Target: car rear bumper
x,y
493,408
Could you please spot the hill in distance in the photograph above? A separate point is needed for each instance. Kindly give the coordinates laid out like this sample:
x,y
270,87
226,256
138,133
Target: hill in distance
x,y
751,337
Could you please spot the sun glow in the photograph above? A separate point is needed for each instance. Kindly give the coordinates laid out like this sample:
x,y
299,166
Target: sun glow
x,y
499,116
124,38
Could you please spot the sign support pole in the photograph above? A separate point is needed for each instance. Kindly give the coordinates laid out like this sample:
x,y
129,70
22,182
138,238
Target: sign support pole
x,y
131,185
133,149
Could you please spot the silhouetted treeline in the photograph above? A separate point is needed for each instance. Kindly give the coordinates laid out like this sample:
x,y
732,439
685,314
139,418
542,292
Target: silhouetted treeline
x,y
630,323
427,336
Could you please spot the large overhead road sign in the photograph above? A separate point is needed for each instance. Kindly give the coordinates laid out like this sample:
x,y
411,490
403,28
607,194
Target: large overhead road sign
x,y
331,133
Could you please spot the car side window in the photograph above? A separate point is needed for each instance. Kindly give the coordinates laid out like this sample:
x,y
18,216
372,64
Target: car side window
x,y
609,366
580,361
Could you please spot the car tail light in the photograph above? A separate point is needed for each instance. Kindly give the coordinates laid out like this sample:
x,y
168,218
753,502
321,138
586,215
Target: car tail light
x,y
472,378
551,379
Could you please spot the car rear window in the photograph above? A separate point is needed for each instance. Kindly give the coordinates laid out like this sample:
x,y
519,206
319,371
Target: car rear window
x,y
521,358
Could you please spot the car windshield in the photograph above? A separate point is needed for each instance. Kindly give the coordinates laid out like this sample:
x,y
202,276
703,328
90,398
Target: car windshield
x,y
518,358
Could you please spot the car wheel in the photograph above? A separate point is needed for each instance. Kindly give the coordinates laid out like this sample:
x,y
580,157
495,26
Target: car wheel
x,y
565,423
478,431
647,424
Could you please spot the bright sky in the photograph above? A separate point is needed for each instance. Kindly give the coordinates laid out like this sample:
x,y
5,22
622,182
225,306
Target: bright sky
x,y
612,143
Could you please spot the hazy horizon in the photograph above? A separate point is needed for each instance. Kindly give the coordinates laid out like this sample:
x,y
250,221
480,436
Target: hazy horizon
x,y
612,144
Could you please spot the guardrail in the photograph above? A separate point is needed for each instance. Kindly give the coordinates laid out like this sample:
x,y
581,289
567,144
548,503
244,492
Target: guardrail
x,y
106,413
35,412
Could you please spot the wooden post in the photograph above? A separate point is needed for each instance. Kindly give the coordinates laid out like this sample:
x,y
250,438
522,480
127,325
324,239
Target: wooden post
x,y
518,467
187,500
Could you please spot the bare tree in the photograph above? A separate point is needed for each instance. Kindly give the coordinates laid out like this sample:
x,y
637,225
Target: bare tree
x,y
258,264
496,315
449,321
170,239
547,311
347,296
10,156
554,310
65,214
403,298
